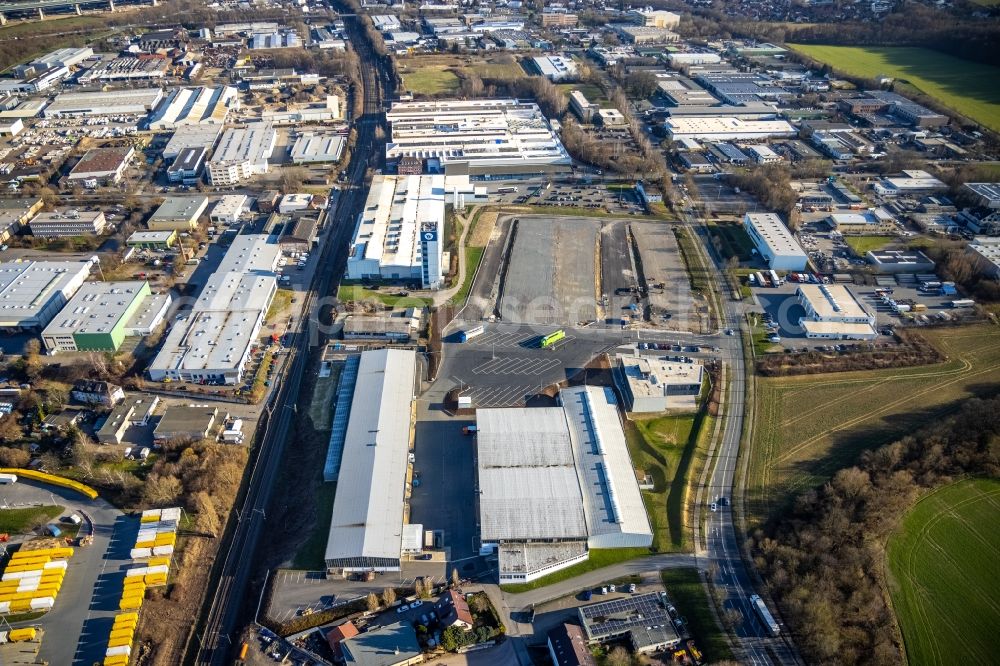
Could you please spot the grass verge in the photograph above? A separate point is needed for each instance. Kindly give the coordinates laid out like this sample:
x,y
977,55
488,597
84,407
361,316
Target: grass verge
x,y
688,593
21,521
312,555
281,301
473,255
599,558
357,292
431,80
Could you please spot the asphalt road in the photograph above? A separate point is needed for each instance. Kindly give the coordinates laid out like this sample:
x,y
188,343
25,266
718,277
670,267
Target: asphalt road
x,y
224,608
721,536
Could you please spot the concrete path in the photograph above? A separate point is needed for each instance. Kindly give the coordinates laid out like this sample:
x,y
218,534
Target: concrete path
x,y
442,297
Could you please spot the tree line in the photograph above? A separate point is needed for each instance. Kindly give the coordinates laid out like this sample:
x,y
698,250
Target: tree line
x,y
823,561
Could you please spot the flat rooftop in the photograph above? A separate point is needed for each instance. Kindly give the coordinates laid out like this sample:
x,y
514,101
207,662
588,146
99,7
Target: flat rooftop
x,y
315,147
773,231
831,301
527,476
651,376
27,288
97,307
368,509
180,208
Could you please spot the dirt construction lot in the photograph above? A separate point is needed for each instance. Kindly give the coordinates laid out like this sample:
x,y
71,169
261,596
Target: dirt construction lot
x,y
551,277
662,262
555,276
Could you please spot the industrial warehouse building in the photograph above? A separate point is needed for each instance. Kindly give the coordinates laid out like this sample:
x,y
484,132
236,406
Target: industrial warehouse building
x,y
833,312
101,315
726,128
775,242
652,384
370,507
136,101
101,166
195,106
33,292
555,482
68,223
317,148
399,233
242,154
178,213
212,341
490,138
556,68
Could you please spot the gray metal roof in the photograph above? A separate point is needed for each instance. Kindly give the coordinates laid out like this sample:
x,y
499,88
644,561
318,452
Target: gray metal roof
x,y
527,478
367,516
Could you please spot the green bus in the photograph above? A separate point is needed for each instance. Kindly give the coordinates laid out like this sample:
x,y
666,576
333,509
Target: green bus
x,y
553,338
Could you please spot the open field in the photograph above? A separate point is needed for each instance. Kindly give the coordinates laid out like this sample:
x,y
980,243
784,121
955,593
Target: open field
x,y
598,559
864,244
733,240
688,593
589,90
942,574
19,521
663,447
808,427
430,80
965,86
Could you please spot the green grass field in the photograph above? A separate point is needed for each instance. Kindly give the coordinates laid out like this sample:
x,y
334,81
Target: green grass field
x,y
808,427
658,447
967,87
686,591
863,244
943,575
591,92
20,521
598,559
357,292
733,240
431,80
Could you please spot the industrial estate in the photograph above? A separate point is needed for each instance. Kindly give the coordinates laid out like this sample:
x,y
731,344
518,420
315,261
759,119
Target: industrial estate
x,y
501,332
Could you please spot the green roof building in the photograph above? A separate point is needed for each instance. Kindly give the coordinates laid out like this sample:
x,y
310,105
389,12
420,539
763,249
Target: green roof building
x,y
96,318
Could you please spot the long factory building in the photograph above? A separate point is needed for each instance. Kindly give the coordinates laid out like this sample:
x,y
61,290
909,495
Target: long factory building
x,y
775,242
195,106
370,507
33,292
555,482
212,341
398,235
243,152
493,138
136,101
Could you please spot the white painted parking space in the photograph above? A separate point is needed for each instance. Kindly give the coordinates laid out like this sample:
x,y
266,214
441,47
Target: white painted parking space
x,y
517,365
500,340
500,396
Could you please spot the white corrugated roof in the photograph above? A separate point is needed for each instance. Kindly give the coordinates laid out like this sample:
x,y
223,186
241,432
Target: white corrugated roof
x,y
367,516
527,478
612,502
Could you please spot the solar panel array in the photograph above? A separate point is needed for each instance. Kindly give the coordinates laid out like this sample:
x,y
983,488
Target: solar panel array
x,y
610,618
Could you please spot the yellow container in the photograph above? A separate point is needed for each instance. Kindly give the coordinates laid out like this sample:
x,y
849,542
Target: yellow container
x,y
129,603
165,539
158,561
116,660
38,552
144,544
24,634
150,519
155,579
27,566
122,633
126,617
118,642
20,606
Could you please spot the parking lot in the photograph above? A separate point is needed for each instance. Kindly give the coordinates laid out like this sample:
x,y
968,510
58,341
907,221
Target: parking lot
x,y
88,601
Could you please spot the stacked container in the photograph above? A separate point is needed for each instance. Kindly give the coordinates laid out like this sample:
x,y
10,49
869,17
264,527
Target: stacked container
x,y
32,579
120,642
157,533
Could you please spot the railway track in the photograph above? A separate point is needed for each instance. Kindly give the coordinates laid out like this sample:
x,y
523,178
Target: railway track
x,y
224,611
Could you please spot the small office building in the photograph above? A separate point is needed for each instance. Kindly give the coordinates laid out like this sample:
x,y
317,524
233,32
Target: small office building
x,y
178,214
834,312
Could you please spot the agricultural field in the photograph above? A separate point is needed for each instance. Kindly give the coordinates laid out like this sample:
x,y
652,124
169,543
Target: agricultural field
x,y
807,427
942,574
965,86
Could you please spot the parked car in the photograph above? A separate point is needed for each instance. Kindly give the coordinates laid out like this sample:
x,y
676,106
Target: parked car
x,y
403,609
